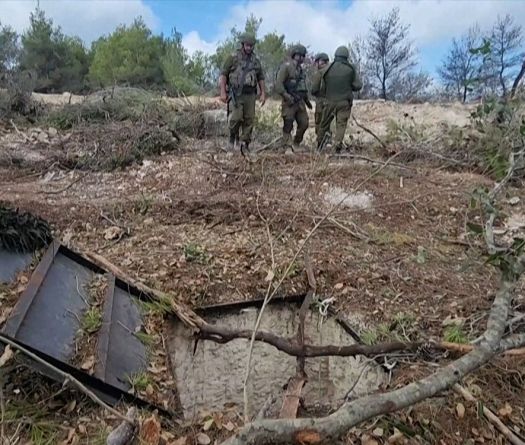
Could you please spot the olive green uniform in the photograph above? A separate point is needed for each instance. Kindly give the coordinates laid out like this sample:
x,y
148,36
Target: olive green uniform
x,y
243,72
291,86
337,83
319,102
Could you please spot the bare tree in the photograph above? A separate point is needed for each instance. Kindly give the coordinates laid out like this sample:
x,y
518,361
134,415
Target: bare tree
x,y
358,57
461,67
506,42
389,51
411,87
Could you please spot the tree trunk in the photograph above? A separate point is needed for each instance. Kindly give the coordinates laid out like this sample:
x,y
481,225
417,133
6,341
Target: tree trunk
x,y
464,94
503,86
517,80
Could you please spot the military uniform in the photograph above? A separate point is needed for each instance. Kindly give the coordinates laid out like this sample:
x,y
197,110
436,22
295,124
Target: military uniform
x,y
243,73
291,86
337,83
319,101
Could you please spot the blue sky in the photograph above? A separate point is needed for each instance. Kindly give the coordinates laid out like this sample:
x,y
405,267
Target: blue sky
x,y
321,25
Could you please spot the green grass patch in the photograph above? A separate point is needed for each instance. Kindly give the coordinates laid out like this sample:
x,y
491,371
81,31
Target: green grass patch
x,y
140,381
194,253
92,320
455,334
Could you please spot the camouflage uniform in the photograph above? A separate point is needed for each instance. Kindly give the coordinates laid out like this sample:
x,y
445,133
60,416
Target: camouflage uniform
x,y
337,83
319,101
243,72
291,86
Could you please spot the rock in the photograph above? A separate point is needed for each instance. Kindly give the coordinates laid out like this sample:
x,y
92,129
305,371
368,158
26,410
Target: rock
x,y
42,137
514,200
113,233
52,132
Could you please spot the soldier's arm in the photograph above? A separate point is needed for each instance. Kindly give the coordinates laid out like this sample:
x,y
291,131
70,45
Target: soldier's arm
x,y
357,84
223,78
316,82
261,82
282,75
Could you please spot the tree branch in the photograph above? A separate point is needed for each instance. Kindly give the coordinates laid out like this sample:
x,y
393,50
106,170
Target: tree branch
x,y
330,428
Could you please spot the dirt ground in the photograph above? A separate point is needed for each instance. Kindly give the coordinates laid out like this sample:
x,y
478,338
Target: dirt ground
x,y
211,227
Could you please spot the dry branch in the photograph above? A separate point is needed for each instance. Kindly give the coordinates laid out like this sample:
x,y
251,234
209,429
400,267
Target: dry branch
x,y
370,132
330,428
125,433
67,378
515,440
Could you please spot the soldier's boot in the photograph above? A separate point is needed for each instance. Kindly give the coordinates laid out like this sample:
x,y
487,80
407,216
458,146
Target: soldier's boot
x,y
233,142
245,148
287,141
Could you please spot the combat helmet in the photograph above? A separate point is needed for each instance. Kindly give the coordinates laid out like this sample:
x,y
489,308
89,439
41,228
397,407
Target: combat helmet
x,y
321,56
298,49
342,51
247,38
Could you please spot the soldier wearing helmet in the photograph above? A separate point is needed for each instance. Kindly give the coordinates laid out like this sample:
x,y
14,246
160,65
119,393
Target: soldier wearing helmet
x,y
320,62
241,74
290,84
336,84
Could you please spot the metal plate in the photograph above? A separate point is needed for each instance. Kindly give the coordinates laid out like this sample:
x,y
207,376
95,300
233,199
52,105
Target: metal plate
x,y
48,314
120,353
53,307
12,263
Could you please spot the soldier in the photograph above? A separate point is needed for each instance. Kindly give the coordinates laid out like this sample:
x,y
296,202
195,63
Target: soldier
x,y
290,84
240,75
337,83
320,62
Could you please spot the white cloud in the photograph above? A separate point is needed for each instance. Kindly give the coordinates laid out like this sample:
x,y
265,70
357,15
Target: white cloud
x,y
193,42
87,19
322,26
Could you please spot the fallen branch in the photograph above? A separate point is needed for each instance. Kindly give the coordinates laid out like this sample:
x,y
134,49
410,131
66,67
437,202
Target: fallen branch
x,y
67,378
330,428
370,132
222,334
18,131
515,440
506,347
125,433
71,184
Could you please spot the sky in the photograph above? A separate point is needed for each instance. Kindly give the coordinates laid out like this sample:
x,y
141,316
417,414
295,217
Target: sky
x,y
321,25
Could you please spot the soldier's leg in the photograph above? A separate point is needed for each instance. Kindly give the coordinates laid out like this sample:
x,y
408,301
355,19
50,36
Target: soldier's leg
x,y
341,122
324,127
317,116
301,117
236,118
288,114
249,117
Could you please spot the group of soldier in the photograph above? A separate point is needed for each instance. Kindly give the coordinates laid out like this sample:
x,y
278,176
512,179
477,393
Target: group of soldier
x,y
333,85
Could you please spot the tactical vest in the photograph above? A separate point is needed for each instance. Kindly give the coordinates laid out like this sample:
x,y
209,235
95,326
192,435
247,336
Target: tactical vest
x,y
243,75
296,85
